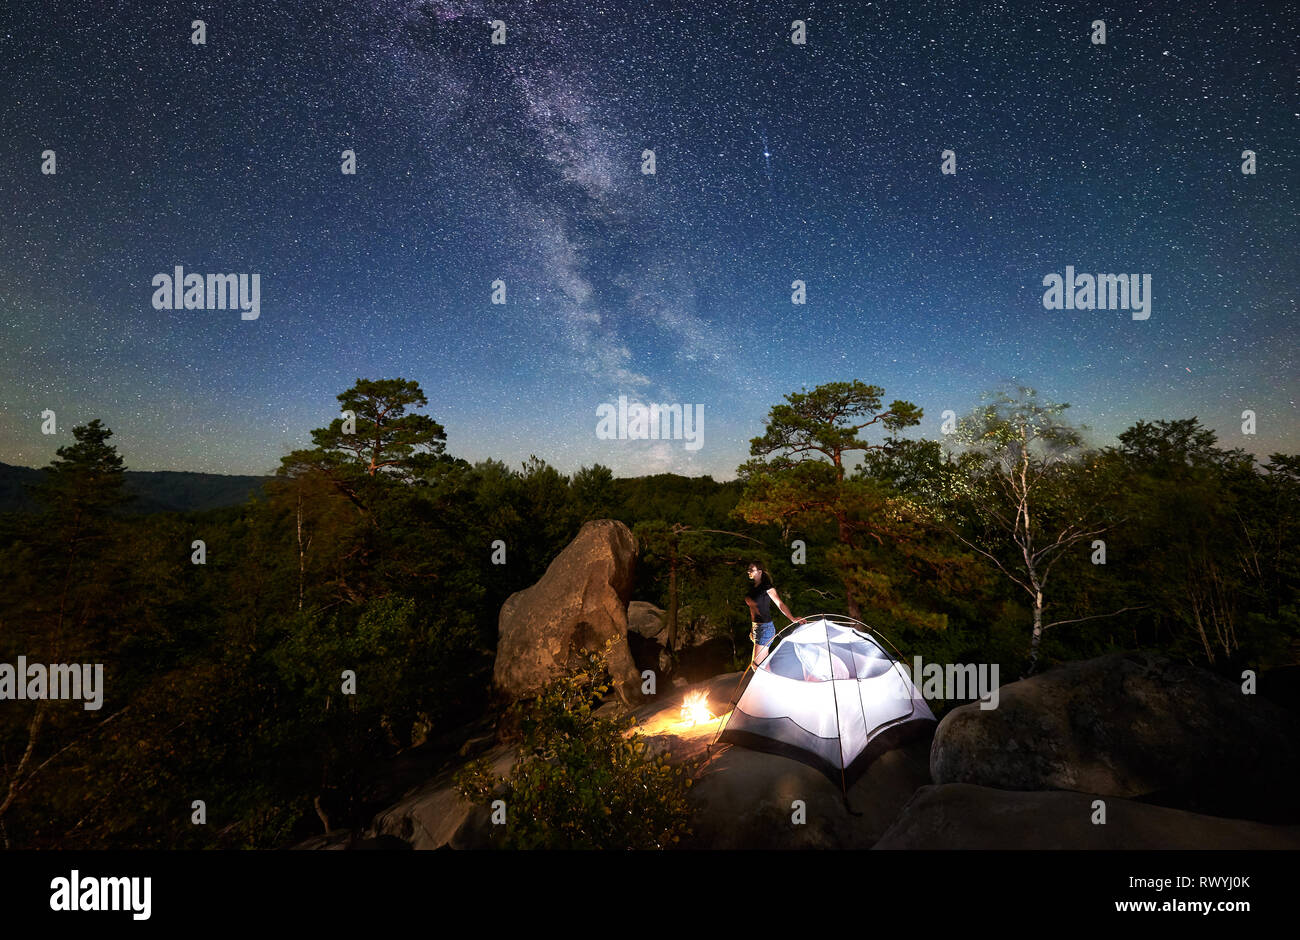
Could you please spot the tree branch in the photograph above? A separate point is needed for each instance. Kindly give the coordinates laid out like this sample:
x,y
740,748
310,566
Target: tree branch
x,y
1057,623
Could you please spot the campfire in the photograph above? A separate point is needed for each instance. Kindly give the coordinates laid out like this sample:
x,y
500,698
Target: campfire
x,y
695,709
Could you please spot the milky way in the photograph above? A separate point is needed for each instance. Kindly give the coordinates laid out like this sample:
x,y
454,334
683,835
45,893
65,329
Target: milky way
x,y
522,163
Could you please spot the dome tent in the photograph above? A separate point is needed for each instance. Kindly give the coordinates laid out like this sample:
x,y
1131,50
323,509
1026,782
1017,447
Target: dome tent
x,y
828,694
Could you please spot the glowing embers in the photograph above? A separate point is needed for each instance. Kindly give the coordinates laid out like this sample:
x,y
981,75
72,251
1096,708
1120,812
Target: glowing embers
x,y
695,709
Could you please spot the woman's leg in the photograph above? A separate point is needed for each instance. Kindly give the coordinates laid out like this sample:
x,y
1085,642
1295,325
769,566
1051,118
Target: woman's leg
x,y
763,635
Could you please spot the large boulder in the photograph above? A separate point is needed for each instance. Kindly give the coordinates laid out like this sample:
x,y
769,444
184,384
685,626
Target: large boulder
x,y
962,816
1127,725
702,649
434,816
647,620
580,603
647,637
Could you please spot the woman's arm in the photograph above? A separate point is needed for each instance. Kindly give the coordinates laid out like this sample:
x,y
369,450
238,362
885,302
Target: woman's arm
x,y
771,592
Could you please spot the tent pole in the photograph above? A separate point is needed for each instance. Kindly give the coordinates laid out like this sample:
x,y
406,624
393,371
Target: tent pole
x,y
839,731
722,725
862,708
771,649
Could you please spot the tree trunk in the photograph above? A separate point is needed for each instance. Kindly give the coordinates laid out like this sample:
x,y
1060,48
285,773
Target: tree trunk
x,y
320,812
1038,632
301,554
854,611
846,538
16,781
672,603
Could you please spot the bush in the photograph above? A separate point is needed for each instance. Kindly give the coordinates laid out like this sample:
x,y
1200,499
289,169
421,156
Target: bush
x,y
582,781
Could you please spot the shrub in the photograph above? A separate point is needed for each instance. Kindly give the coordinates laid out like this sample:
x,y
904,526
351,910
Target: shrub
x,y
582,781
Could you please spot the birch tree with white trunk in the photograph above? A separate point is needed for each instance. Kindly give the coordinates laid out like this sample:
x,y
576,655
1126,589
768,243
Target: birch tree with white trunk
x,y
1026,460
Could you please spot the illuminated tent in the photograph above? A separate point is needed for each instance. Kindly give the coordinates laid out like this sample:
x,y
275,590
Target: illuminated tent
x,y
828,695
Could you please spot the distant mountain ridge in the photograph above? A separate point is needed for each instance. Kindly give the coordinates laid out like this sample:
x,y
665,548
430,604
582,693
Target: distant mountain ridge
x,y
154,490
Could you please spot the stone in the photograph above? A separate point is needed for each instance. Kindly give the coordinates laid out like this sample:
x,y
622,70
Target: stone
x,y
1130,725
434,816
579,603
964,816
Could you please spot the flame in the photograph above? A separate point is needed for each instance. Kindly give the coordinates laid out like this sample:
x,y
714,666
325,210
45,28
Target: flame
x,y
695,709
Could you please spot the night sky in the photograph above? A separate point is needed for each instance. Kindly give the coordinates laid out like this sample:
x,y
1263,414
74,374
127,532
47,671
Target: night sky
x,y
522,162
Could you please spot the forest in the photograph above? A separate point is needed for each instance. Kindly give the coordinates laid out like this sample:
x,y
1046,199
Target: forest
x,y
223,632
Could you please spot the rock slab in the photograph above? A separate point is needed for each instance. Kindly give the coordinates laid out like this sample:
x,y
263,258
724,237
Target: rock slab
x,y
962,816
579,603
1130,725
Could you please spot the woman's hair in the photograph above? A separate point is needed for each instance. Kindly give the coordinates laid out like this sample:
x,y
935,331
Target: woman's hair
x,y
764,582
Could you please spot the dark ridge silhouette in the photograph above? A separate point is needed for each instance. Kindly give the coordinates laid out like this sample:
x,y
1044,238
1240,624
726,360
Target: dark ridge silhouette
x,y
153,490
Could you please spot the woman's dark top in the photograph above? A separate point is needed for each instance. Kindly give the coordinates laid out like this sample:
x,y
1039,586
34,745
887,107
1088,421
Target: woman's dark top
x,y
758,594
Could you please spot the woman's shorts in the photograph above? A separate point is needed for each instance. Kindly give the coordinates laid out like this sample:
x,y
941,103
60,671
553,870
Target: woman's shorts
x,y
762,633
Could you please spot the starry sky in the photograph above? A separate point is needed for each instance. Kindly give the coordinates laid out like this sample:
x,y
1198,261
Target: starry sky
x,y
775,162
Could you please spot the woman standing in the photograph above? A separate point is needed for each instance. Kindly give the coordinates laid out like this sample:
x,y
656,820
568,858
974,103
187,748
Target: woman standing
x,y
760,598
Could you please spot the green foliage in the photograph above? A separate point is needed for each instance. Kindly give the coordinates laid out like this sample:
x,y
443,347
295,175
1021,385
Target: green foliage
x,y
1015,423
669,497
1211,542
582,780
800,478
823,423
223,680
386,438
86,477
593,493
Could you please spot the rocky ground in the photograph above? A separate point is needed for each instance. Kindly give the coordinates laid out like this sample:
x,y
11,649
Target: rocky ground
x,y
1127,751
987,779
